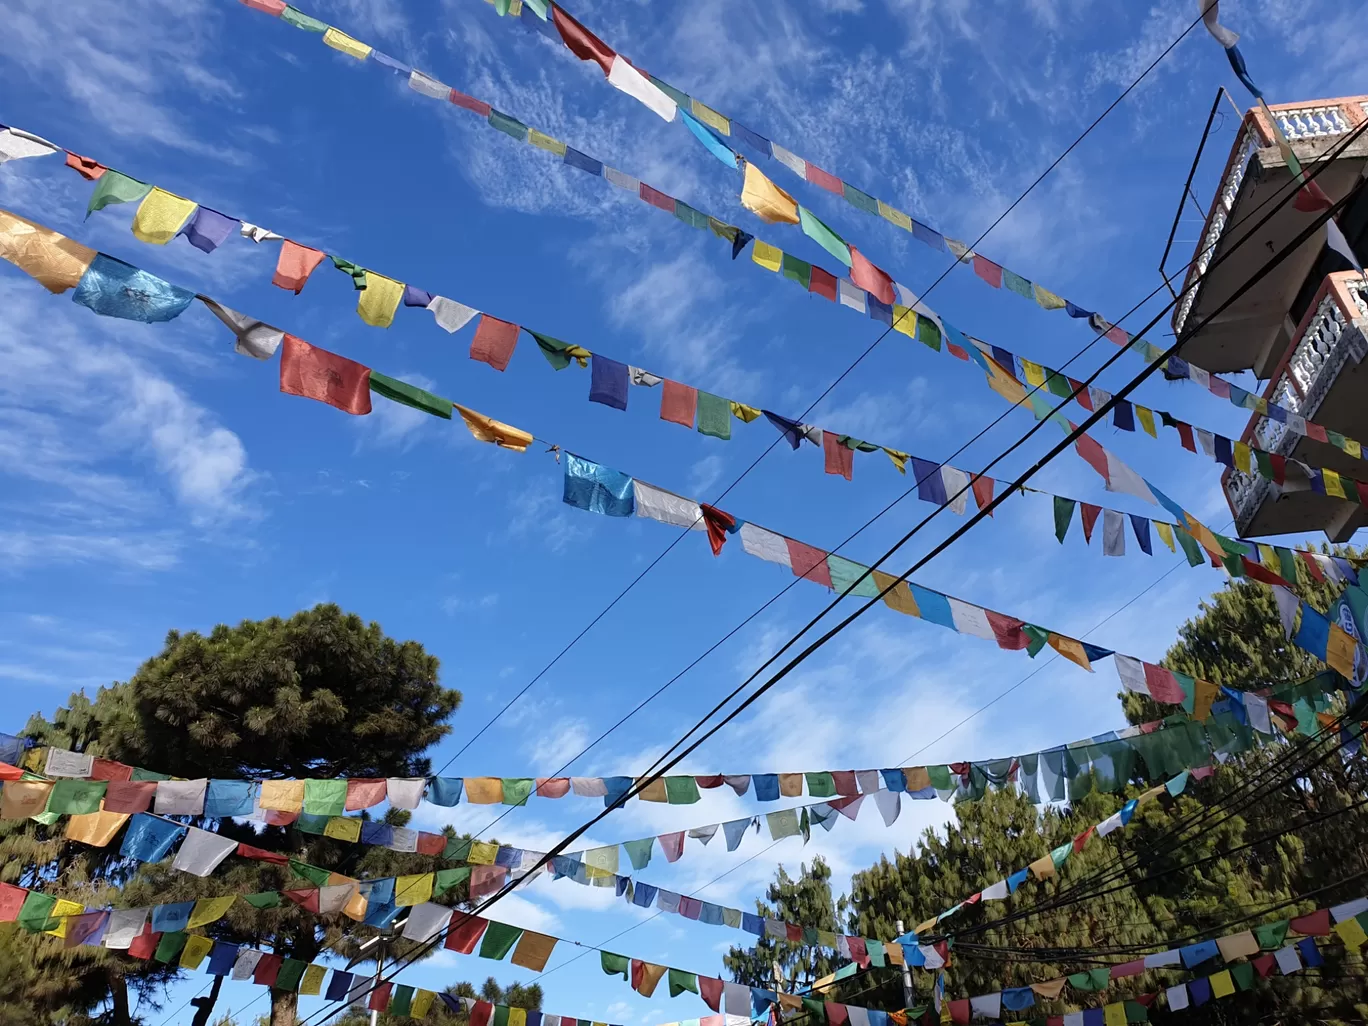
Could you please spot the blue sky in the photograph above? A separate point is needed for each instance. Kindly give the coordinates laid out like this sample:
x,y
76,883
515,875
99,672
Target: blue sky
x,y
155,480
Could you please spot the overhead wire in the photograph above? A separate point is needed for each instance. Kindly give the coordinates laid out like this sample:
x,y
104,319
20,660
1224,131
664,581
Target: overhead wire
x,y
1308,231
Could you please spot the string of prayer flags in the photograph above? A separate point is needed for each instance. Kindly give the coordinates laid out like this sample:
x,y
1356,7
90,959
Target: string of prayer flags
x,y
616,69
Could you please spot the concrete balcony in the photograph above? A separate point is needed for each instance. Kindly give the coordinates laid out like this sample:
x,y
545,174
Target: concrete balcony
x,y
1255,331
1322,376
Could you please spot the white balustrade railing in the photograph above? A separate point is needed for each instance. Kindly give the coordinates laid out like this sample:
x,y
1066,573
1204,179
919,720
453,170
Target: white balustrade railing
x,y
1225,202
1312,122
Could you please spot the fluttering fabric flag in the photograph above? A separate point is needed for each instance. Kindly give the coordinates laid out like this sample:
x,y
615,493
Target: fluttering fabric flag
x,y
494,342
114,187
620,74
16,144
379,299
294,265
870,277
596,488
314,373
113,288
450,315
50,258
410,395
609,382
201,852
207,230
161,216
711,141
766,200
344,43
817,230
496,432
254,338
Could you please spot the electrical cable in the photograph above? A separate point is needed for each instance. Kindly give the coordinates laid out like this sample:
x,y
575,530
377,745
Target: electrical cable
x,y
1316,224
882,335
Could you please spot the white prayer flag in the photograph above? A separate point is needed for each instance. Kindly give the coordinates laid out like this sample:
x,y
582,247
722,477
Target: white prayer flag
x,y
449,314
425,85
201,852
626,78
124,925
62,763
668,508
15,144
426,921
246,963
889,804
180,797
1177,997
405,792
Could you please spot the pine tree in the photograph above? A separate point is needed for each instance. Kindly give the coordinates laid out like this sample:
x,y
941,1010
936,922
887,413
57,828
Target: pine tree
x,y
807,900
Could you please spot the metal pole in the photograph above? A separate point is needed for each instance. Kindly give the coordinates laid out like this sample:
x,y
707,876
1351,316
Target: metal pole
x,y
906,972
379,963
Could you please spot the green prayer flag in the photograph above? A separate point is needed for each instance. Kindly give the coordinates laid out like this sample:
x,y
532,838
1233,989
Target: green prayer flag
x,y
1061,854
1039,636
291,972
1136,1012
1243,975
146,774
114,187
445,879
300,20
714,416
500,1016
263,899
814,228
639,851
33,914
681,98
851,442
357,272
516,790
690,216
681,790
1091,980
553,349
811,935
457,849
928,333
408,395
508,125
1189,686
402,1000
939,777
613,965
327,797
1287,564
499,939
816,1011
1264,463
857,198
721,229
875,950
316,876
170,946
1013,282
1190,547
680,981
76,797
1063,516
820,785
1336,439
797,270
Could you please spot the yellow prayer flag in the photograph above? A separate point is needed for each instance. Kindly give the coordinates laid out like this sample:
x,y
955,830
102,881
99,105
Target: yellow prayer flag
x,y
412,890
899,458
1071,649
1204,695
196,949
1035,373
709,116
50,258
1221,985
1339,651
421,1004
1334,485
161,215
1004,383
95,828
1146,416
1351,933
905,320
790,1002
282,795
743,412
312,983
894,954
379,299
35,759
343,828
22,799
1047,299
60,911
790,785
767,256
1261,405
356,906
545,142
653,790
1268,556
346,44
483,853
1165,533
1237,945
894,216
1205,538
1114,1014
496,432
484,790
765,199
1049,990
1242,457
533,950
1042,868
1353,448
921,928
209,910
650,977
916,778
900,599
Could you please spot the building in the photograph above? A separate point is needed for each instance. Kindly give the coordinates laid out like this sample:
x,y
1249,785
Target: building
x,y
1303,330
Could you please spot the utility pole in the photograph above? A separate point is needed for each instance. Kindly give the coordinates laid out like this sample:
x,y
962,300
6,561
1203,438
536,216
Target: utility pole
x,y
906,972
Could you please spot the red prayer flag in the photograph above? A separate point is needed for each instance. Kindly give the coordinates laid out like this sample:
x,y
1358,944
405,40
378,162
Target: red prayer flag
x,y
656,198
983,490
1083,397
809,562
710,990
1317,432
678,403
837,1014
314,373
279,817
845,783
581,42
1134,968
247,851
1081,841
1261,573
870,277
840,459
482,1011
464,935
1007,630
1095,455
11,901
1316,924
130,796
793,932
108,769
957,351
363,792
1311,198
469,103
959,1012
1279,467
1117,334
274,7
719,525
431,844
1185,436
267,969
689,908
553,787
1090,513
305,897
145,944
1263,965
90,170
294,266
379,998
708,783
823,282
825,179
1162,685
8,772
493,342
858,951
988,271
1312,565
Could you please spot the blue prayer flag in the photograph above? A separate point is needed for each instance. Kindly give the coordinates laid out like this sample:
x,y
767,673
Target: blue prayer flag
x,y
113,288
599,489
149,838
445,790
608,382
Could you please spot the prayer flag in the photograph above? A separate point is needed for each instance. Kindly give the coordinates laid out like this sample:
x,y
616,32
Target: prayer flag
x,y
344,43
496,432
208,229
816,230
254,338
161,215
870,277
494,342
294,265
766,200
609,382
112,288
53,260
115,187
840,460
678,403
315,373
379,299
